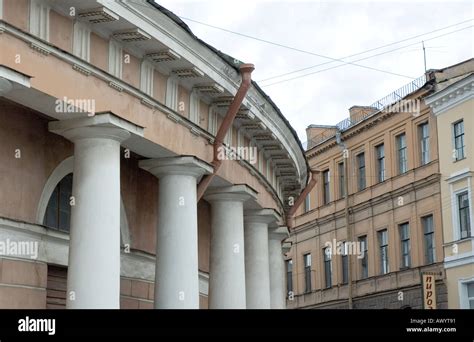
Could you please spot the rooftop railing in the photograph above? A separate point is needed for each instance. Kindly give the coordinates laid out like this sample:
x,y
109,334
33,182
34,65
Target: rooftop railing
x,y
382,103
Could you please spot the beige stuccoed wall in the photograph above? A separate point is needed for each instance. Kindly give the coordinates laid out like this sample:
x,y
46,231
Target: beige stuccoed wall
x,y
22,179
16,12
139,190
447,165
131,70
159,86
183,101
453,275
204,115
369,219
60,31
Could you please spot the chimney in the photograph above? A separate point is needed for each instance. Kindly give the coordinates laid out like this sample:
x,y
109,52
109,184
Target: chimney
x,y
317,133
357,113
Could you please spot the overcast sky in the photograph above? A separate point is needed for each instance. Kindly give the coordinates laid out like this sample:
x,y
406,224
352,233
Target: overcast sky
x,y
334,29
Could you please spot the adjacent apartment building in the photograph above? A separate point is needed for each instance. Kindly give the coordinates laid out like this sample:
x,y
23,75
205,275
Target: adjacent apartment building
x,y
453,106
389,229
139,166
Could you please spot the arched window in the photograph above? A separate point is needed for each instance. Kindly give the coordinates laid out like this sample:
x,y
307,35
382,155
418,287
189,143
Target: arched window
x,y
58,211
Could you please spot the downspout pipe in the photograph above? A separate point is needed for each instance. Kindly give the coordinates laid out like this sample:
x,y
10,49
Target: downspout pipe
x,y
310,186
246,72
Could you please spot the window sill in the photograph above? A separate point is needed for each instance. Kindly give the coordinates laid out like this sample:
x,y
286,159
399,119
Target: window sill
x,y
458,160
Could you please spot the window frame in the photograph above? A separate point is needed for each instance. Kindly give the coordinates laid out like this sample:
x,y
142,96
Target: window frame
x,y
307,203
431,234
380,162
289,276
455,136
327,267
326,187
424,140
342,186
467,210
383,251
307,272
345,263
468,298
463,290
364,269
402,153
405,257
361,174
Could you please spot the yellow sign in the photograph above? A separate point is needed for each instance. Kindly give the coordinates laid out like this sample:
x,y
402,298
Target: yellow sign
x,y
429,290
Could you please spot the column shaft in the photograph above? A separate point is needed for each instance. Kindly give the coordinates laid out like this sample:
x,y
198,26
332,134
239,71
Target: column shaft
x,y
277,274
94,248
227,268
257,278
177,277
177,269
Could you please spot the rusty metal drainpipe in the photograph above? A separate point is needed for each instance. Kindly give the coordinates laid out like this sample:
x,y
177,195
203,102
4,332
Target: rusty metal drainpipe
x,y
301,198
246,71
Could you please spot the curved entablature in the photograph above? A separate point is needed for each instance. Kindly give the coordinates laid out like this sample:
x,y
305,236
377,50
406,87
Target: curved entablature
x,y
190,73
259,118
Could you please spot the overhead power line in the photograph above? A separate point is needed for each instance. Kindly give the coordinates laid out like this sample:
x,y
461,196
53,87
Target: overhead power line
x,y
293,48
341,60
364,58
366,51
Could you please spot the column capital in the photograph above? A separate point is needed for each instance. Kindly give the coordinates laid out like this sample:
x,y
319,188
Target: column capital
x,y
106,125
239,193
261,215
180,165
278,233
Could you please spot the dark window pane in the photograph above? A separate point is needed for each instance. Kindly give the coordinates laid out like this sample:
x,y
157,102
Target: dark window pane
x,y
51,218
58,211
464,216
380,154
307,272
361,171
326,195
470,290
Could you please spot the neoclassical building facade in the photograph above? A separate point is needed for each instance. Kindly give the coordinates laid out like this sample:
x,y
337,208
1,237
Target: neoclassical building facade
x,y
140,167
394,159
453,105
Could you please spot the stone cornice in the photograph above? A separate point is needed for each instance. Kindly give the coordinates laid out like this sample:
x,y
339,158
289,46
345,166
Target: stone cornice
x,y
6,28
453,95
215,67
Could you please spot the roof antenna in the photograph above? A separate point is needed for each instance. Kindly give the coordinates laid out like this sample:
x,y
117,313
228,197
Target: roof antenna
x,y
424,52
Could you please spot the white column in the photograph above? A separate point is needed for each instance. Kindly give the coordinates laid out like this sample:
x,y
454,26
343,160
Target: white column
x,y
277,268
257,273
94,246
227,261
176,275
